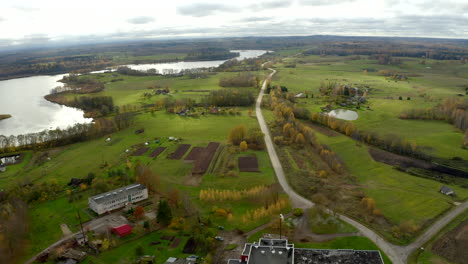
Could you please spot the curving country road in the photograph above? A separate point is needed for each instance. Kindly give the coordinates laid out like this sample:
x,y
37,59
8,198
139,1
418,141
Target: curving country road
x,y
397,254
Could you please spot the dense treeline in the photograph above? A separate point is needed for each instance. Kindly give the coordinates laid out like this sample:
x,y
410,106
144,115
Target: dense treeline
x,y
80,84
59,137
92,105
229,97
253,64
244,79
392,48
453,110
67,59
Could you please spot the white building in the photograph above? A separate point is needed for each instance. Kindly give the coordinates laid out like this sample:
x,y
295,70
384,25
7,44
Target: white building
x,y
117,198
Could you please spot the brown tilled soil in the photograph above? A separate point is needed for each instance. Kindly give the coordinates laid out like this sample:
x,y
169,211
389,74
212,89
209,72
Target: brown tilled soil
x,y
180,151
194,153
176,242
323,130
157,151
248,164
204,159
140,151
190,247
454,245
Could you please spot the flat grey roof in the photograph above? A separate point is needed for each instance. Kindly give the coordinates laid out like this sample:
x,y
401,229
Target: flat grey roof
x,y
103,197
332,256
270,255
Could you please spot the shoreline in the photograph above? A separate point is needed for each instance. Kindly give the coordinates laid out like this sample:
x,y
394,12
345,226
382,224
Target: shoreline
x,y
101,69
5,116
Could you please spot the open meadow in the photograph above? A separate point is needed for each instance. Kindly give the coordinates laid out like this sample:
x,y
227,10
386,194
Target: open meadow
x,y
426,86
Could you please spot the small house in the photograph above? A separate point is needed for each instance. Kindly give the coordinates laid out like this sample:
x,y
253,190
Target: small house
x,y
300,95
214,110
123,230
446,190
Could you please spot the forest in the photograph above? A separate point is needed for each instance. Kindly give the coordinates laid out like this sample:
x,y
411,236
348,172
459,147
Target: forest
x,y
71,58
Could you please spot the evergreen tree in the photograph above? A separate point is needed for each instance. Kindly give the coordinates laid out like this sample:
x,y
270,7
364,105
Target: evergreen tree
x,y
164,213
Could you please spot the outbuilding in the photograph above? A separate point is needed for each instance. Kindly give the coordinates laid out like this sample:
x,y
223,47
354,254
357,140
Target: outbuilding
x,y
446,190
123,230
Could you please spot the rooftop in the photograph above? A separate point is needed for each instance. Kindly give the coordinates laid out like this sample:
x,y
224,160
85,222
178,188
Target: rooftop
x,y
345,256
271,255
103,197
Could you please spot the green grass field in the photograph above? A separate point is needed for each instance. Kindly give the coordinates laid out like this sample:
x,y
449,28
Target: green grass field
x,y
46,217
126,253
400,196
443,80
323,223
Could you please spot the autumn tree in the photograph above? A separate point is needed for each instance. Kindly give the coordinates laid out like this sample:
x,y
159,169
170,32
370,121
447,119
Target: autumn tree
x,y
300,139
243,146
138,212
237,134
146,176
174,197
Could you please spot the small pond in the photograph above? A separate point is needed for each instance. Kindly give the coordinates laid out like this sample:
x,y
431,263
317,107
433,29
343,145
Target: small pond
x,y
344,114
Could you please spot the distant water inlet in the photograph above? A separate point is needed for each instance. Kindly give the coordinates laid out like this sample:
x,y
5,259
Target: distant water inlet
x,y
344,114
23,98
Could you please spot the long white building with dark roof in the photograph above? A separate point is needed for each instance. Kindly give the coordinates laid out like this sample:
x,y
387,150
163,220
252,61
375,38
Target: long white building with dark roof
x,y
118,198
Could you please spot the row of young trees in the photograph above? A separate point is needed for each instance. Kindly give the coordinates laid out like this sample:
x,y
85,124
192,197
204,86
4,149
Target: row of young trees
x,y
389,142
231,195
294,132
453,110
264,211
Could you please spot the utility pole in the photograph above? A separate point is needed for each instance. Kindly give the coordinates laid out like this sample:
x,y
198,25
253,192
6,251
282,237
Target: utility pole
x,y
281,220
81,226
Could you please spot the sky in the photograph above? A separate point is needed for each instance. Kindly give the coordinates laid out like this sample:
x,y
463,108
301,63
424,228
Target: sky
x,y
42,22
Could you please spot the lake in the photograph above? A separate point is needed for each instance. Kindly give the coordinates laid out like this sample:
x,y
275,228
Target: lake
x,y
23,98
344,114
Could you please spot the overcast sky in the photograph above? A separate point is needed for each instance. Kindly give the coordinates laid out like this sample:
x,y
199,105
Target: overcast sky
x,y
44,21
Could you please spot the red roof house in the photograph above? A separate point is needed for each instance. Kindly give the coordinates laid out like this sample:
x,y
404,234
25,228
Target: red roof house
x,y
122,230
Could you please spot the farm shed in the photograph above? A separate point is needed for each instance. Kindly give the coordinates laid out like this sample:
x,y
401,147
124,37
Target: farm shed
x,y
446,190
122,230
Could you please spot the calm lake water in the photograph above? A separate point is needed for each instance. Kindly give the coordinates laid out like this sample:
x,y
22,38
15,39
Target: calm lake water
x,y
23,98
184,65
344,114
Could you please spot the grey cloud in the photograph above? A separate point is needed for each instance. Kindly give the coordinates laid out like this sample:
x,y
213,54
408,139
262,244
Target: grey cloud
x,y
272,4
204,9
255,19
140,20
324,2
